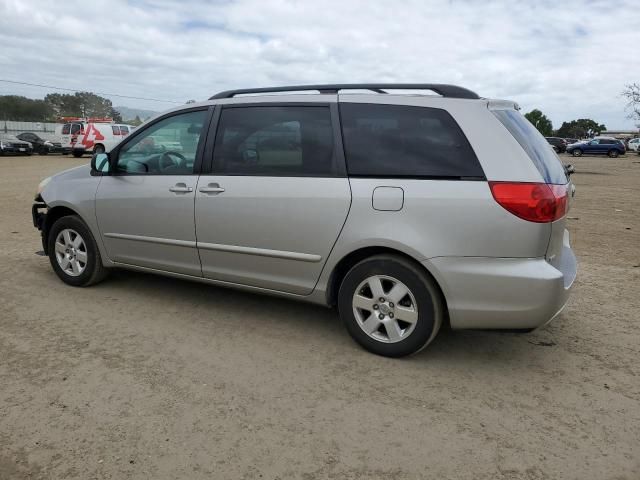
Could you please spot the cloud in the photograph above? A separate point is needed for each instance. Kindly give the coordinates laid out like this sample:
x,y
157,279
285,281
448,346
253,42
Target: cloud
x,y
560,57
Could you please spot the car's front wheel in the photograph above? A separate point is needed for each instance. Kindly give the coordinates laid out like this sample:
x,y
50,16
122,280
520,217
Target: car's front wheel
x,y
576,152
390,305
73,252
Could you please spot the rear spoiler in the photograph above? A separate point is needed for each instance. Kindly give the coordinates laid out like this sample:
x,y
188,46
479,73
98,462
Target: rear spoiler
x,y
496,104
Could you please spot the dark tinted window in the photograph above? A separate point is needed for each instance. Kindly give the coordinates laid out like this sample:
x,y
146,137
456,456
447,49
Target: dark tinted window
x,y
606,141
124,130
66,128
75,128
115,129
543,157
275,141
400,141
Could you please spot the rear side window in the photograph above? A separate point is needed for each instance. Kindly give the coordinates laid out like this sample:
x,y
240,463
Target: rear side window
x,y
275,141
401,141
115,129
543,157
66,128
75,128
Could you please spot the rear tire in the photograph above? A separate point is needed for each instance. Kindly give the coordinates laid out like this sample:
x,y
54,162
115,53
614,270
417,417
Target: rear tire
x,y
613,153
390,305
73,253
576,152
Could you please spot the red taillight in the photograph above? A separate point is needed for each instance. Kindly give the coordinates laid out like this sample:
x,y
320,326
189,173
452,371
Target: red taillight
x,y
534,202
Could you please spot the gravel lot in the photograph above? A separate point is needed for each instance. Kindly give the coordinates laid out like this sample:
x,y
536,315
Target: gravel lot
x,y
149,377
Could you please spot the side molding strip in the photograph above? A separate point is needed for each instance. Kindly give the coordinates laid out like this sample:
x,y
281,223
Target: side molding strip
x,y
261,252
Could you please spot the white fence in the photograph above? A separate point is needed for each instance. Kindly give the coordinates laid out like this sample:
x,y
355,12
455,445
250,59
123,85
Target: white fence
x,y
8,126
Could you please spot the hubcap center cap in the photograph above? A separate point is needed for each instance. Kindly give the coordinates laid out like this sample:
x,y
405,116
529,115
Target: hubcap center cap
x,y
385,309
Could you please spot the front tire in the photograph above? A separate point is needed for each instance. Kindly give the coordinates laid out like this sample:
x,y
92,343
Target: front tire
x,y
577,152
390,305
73,253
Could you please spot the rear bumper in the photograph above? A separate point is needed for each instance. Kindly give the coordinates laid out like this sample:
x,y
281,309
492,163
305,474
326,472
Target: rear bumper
x,y
505,293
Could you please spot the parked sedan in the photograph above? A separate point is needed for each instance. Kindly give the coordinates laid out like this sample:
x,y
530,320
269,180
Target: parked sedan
x,y
597,146
11,145
40,144
558,144
634,144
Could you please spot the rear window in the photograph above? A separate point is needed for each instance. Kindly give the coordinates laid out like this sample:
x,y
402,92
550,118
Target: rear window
x,y
543,157
409,142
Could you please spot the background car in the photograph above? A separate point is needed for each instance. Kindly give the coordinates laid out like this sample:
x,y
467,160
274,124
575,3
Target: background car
x,y
41,144
11,145
571,141
598,146
634,144
559,144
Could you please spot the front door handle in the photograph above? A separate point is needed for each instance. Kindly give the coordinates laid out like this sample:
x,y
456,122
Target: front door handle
x,y
211,188
180,188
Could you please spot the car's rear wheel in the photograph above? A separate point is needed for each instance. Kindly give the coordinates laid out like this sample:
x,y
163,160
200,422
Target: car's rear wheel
x,y
73,252
613,153
576,152
390,305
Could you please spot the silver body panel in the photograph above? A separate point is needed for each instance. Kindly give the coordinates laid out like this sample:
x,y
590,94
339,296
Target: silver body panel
x,y
143,223
285,235
270,232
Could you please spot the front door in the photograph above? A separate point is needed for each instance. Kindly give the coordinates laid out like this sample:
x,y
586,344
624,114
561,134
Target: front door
x,y
273,206
145,207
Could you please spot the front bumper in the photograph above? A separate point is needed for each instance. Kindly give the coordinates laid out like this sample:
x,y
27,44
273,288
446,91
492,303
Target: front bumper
x,y
40,218
505,293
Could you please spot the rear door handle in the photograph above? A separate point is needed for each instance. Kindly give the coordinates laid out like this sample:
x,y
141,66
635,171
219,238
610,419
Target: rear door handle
x,y
211,188
180,188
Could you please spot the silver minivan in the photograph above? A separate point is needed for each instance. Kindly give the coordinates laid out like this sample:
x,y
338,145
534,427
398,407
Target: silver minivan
x,y
404,211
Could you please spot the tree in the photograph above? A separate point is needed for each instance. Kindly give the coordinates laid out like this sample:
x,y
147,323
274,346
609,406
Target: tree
x,y
540,121
23,109
632,94
82,104
135,122
581,128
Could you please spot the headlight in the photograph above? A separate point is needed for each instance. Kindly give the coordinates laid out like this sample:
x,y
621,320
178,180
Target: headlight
x,y
2,144
43,184
48,144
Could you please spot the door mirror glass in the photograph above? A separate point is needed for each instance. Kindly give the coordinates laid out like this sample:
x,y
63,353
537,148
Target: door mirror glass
x,y
250,155
100,163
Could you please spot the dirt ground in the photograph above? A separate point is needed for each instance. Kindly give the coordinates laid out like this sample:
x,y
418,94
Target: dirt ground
x,y
149,377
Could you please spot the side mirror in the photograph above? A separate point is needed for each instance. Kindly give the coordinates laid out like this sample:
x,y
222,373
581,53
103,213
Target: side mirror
x,y
100,164
250,155
569,169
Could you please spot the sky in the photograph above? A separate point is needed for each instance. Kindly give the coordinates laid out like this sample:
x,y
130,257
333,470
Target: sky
x,y
570,58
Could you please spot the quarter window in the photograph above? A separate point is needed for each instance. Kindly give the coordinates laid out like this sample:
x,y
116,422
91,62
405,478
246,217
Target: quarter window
x,y
275,141
402,141
167,147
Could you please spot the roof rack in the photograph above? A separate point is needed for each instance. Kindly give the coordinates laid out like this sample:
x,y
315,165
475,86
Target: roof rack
x,y
449,91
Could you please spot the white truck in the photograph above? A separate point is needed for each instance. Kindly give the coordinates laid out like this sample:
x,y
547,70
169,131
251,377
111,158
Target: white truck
x,y
90,135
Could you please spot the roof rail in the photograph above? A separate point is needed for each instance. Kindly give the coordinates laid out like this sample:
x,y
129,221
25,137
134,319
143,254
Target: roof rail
x,y
449,91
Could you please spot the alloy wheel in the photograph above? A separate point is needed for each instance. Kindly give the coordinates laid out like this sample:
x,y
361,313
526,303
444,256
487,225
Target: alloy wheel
x,y
385,309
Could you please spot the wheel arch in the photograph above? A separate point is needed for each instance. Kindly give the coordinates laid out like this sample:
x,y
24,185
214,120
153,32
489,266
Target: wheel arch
x,y
355,256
